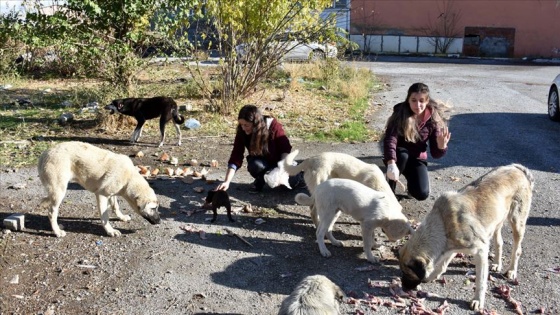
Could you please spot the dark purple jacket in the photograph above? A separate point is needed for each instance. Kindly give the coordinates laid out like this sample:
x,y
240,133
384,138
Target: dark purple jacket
x,y
278,144
428,137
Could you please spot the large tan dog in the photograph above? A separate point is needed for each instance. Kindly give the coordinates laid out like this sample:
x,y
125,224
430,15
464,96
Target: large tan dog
x,y
102,172
370,207
465,222
319,168
314,295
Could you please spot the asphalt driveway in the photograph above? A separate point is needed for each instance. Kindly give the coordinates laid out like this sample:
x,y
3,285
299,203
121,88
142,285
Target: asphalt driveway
x,y
499,117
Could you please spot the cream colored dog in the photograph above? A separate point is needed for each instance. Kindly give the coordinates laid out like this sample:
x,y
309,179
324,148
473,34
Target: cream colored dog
x,y
102,172
370,207
465,222
319,168
314,295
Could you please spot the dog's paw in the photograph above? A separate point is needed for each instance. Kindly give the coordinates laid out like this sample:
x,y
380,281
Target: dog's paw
x,y
114,233
511,274
337,243
125,218
372,259
60,233
496,267
475,305
326,253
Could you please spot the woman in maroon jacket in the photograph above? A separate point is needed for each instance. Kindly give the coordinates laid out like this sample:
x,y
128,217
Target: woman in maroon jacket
x,y
267,144
415,125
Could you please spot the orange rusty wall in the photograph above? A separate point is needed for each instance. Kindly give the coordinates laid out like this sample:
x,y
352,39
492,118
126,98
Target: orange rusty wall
x,y
536,22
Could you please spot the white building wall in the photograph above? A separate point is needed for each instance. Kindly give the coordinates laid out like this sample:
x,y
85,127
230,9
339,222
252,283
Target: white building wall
x,y
426,45
342,17
391,44
409,44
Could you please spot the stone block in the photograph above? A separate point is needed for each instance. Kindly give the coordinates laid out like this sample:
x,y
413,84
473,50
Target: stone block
x,y
15,222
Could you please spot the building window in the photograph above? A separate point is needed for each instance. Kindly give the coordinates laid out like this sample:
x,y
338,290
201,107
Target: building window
x,y
340,4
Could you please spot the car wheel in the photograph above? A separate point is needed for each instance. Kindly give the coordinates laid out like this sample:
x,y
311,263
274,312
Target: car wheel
x,y
553,104
317,55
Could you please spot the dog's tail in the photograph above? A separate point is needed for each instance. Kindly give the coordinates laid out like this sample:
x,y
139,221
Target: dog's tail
x,y
305,200
527,173
288,164
177,118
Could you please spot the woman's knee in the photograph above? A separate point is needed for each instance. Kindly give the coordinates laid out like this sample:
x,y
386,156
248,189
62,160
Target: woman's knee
x,y
420,194
256,167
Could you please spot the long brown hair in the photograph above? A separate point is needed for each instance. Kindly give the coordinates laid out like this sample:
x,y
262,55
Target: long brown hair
x,y
259,136
403,116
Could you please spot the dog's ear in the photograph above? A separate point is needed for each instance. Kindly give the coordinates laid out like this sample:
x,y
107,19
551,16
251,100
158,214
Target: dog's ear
x,y
418,266
210,196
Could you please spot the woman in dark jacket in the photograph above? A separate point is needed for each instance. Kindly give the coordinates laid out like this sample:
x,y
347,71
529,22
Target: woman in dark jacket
x,y
266,142
415,125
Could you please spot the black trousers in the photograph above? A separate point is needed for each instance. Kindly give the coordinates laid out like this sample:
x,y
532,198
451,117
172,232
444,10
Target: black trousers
x,y
416,173
257,167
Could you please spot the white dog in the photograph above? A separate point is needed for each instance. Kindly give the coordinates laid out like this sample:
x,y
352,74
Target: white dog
x,y
314,295
370,207
319,168
466,221
102,172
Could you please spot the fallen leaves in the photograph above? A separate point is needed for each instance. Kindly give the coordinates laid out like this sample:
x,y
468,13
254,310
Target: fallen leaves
x,y
164,157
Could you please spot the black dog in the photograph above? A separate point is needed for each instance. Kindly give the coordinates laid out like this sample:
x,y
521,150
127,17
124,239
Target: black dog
x,y
147,108
218,198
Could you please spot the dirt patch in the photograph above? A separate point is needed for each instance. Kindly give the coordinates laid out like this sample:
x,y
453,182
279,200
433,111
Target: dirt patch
x,y
185,265
174,269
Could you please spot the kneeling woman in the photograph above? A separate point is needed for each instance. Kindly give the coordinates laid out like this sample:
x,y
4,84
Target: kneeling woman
x,y
266,142
415,125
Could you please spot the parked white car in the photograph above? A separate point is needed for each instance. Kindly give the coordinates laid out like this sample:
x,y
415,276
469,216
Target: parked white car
x,y
309,51
553,100
297,51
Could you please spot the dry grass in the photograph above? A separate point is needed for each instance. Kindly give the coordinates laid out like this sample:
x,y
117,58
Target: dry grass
x,y
313,101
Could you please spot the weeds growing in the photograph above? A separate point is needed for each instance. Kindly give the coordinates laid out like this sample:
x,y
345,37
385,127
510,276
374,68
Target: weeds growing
x,y
321,101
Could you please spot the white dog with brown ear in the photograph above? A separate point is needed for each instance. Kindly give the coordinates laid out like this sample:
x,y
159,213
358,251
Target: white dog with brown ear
x,y
102,172
314,295
370,207
323,166
465,222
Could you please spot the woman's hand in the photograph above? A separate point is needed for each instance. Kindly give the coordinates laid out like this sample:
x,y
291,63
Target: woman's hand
x,y
229,176
443,138
392,171
223,186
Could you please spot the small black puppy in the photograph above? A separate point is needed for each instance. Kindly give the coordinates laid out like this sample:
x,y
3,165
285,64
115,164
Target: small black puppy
x,y
218,198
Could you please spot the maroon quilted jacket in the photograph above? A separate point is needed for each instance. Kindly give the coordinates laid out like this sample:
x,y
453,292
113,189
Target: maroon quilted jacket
x,y
278,144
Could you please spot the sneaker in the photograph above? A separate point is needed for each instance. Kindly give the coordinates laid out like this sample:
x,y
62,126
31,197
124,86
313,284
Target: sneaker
x,y
297,181
257,185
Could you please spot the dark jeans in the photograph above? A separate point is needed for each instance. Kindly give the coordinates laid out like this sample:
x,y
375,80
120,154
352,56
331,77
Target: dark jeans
x,y
416,173
258,167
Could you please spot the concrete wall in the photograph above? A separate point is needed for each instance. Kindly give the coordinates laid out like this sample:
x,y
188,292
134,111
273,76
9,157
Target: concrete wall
x,y
390,44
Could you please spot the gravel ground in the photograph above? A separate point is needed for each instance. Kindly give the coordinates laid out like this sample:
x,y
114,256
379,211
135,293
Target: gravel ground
x,y
186,265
